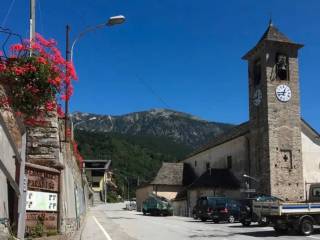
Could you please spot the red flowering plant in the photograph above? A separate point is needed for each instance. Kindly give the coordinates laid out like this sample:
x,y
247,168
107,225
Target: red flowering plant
x,y
36,77
77,154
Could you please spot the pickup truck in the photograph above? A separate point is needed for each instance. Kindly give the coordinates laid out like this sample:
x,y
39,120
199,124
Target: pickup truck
x,y
300,216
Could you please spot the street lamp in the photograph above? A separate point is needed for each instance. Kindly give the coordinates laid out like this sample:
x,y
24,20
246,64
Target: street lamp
x,y
247,176
114,20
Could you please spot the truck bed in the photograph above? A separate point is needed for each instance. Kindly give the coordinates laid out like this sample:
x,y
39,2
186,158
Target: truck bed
x,y
285,208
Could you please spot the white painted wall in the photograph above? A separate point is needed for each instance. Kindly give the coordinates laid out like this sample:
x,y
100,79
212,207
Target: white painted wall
x,y
217,157
6,156
311,159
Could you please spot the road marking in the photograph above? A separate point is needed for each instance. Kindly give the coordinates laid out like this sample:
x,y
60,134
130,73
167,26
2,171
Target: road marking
x,y
313,237
102,229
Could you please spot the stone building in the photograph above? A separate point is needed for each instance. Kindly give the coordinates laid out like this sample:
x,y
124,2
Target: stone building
x,y
171,179
276,152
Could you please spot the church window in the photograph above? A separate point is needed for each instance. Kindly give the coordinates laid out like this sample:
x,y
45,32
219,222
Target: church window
x,y
282,67
257,72
207,165
195,163
229,162
286,159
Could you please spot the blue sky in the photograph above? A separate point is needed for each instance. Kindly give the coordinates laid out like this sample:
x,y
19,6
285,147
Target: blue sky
x,y
178,54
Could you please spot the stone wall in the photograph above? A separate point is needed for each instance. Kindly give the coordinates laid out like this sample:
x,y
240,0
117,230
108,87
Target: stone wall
x,y
43,143
46,147
74,189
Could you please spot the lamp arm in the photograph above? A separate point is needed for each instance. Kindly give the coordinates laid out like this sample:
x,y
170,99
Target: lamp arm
x,y
81,34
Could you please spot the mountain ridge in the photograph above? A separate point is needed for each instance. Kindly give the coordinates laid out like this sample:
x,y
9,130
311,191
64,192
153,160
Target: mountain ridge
x,y
183,128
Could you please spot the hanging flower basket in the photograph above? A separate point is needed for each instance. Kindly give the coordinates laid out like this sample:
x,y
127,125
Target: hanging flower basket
x,y
36,79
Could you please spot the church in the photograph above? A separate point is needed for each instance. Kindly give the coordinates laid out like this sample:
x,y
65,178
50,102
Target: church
x,y
276,152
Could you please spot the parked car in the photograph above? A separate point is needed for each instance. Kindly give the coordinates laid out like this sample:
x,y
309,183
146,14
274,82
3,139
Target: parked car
x,y
216,209
226,210
131,205
157,206
249,214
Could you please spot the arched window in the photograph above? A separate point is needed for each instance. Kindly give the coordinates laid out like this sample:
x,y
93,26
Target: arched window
x,y
282,66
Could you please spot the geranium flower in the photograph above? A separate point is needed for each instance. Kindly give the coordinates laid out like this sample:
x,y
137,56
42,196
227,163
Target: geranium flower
x,y
17,47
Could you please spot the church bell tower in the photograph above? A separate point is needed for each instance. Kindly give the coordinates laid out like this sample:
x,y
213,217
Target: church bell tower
x,y
275,123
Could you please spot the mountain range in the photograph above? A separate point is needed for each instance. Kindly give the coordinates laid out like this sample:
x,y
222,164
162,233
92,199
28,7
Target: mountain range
x,y
180,127
138,143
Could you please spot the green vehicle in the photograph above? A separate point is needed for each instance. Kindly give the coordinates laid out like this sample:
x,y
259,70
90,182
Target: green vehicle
x,y
157,206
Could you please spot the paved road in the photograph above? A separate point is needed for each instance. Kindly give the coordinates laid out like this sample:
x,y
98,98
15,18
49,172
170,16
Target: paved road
x,y
111,222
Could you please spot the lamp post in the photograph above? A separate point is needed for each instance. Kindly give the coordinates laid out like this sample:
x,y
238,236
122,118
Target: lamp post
x,y
115,20
248,184
247,176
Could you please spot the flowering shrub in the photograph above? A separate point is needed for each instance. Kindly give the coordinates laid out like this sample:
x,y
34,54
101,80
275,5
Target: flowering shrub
x,y
77,154
35,82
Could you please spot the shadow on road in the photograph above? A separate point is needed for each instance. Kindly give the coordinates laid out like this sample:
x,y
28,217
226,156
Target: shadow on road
x,y
211,235
129,218
272,233
251,226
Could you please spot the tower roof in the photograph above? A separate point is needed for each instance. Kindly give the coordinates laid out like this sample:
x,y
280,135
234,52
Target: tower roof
x,y
271,34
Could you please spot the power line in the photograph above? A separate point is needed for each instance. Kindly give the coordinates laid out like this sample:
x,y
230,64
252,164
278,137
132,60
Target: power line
x,y
8,13
40,17
153,92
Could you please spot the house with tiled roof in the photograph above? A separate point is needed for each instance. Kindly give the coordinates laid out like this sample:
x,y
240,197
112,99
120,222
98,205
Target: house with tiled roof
x,y
170,179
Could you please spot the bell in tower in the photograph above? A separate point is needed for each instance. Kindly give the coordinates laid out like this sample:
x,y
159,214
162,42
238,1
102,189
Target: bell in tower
x,y
282,67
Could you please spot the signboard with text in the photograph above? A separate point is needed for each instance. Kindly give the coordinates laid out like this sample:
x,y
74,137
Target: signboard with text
x,y
42,197
42,201
39,179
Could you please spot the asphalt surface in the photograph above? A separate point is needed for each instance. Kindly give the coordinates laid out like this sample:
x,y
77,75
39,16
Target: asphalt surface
x,y
111,222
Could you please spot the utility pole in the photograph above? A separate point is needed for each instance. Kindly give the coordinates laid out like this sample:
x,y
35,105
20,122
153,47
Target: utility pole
x,y
66,115
128,189
32,19
32,22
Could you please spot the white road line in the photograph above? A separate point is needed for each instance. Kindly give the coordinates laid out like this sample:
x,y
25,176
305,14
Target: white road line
x,y
313,237
102,229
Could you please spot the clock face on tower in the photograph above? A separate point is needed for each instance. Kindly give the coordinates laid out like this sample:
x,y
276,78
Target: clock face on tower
x,y
283,93
257,97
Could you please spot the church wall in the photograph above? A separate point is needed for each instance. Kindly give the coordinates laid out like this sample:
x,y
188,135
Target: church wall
x,y
217,157
311,160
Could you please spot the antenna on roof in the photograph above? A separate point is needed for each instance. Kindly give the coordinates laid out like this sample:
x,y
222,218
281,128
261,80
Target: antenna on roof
x,y
270,19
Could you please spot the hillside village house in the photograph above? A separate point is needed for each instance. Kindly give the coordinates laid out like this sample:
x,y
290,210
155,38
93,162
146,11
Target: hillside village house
x,y
276,147
171,179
